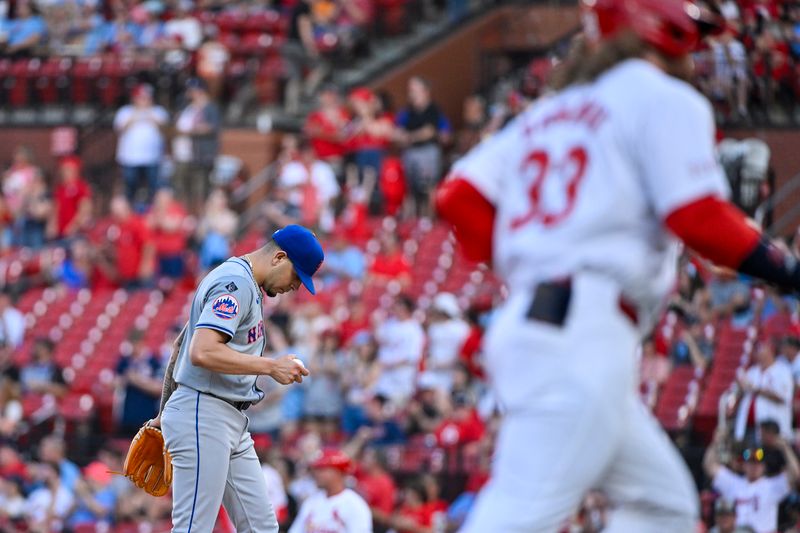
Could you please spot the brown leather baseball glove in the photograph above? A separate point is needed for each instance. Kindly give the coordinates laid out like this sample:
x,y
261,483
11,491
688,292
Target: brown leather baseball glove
x,y
148,463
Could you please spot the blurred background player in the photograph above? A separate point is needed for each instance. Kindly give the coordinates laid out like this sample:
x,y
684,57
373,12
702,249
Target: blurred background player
x,y
540,201
335,508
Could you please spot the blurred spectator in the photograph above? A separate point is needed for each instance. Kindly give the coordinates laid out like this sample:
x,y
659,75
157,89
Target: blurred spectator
x,y
425,412
371,132
774,457
212,60
474,121
376,485
276,491
11,462
424,128
73,199
729,294
300,52
324,391
196,145
139,382
21,35
52,450
18,179
140,146
134,252
344,261
470,353
12,323
216,230
447,332
182,32
693,347
152,32
6,226
790,349
9,372
413,515
731,80
122,32
167,224
37,208
10,408
95,498
389,264
461,426
48,506
335,507
42,375
767,391
400,342
725,518
378,427
325,127
312,187
12,502
392,184
756,496
85,266
358,378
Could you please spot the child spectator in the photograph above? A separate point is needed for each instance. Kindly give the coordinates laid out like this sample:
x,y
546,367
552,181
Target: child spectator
x,y
72,200
139,384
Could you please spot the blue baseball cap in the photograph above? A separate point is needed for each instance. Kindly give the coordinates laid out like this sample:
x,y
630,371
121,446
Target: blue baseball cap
x,y
304,251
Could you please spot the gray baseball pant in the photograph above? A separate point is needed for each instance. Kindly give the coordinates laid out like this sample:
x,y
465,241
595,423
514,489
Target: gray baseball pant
x,y
213,462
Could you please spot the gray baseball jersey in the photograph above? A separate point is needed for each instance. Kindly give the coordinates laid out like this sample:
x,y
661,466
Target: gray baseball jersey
x,y
228,301
213,458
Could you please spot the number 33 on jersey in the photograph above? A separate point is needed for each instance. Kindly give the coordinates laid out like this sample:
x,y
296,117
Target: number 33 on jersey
x,y
583,179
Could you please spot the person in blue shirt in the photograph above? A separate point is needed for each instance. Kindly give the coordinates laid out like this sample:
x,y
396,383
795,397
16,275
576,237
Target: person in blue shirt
x,y
139,377
95,497
52,450
24,33
344,261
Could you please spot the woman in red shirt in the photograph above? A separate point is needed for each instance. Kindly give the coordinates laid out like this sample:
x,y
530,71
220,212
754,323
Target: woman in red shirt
x,y
167,224
370,130
390,264
325,127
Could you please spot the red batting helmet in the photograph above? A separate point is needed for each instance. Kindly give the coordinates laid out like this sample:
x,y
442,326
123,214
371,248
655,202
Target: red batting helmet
x,y
332,459
671,26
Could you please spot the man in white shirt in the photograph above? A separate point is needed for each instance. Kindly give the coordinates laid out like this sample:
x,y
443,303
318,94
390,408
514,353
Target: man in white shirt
x,y
140,146
400,343
790,349
12,323
446,334
335,508
756,496
48,505
311,187
768,389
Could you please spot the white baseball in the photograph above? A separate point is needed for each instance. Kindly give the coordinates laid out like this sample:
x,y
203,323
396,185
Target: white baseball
x,y
299,362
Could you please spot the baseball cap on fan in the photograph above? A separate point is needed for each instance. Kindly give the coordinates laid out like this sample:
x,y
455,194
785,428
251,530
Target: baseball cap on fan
x,y
303,250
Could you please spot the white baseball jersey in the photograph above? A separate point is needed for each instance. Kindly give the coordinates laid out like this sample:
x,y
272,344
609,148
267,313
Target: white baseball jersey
x,y
756,502
777,378
346,512
583,179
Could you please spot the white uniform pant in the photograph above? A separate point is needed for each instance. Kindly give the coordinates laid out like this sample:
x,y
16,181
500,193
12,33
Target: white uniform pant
x,y
573,421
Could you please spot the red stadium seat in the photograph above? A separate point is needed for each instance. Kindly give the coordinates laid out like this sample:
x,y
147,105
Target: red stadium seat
x,y
84,73
20,76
